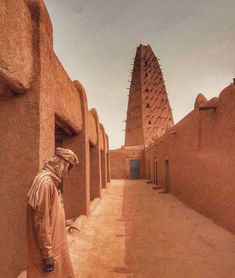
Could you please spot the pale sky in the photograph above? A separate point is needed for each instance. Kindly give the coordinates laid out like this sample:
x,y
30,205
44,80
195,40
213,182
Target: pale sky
x,y
96,41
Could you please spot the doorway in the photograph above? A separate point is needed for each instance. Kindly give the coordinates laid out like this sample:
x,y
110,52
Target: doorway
x,y
149,170
92,167
135,168
103,169
166,177
60,134
155,173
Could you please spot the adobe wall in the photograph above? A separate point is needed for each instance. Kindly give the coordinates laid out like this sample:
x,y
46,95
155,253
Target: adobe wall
x,y
88,178
16,53
201,154
108,159
120,162
103,154
66,95
23,127
77,184
36,95
95,157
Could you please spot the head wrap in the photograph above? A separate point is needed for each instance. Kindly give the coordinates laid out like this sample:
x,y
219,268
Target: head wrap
x,y
67,155
54,169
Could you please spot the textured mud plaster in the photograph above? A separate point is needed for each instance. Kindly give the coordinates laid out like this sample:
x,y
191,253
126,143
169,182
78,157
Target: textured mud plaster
x,y
93,136
95,160
103,149
32,85
77,184
108,161
199,101
120,161
201,154
67,99
149,113
16,49
22,123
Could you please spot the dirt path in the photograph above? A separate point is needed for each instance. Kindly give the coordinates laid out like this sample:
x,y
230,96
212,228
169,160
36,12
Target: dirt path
x,y
136,232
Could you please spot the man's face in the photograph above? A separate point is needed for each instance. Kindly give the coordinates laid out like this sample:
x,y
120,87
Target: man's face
x,y
67,168
70,167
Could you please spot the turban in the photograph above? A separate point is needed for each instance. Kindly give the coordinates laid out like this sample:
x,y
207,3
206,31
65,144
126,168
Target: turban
x,y
57,168
67,155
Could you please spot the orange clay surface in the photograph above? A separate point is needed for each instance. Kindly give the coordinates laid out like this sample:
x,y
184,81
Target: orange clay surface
x,y
136,232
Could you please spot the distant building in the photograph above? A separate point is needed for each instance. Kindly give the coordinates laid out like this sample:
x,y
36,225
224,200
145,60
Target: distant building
x,y
194,159
148,117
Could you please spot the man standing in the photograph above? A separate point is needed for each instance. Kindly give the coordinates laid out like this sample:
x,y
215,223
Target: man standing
x,y
48,253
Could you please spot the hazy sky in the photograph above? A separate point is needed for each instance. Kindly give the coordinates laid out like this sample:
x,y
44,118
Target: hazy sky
x,y
96,41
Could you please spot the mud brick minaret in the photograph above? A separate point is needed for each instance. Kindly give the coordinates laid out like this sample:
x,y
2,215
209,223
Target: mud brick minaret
x,y
149,113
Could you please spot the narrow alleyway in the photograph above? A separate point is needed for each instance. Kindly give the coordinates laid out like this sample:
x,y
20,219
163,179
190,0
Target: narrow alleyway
x,y
136,232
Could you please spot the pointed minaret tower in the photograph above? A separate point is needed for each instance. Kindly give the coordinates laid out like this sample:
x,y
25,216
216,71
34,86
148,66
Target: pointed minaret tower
x,y
149,113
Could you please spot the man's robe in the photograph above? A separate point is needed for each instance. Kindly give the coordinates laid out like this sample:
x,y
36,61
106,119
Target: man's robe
x,y
46,234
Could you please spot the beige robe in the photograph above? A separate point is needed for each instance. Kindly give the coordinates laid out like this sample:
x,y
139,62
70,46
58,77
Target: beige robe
x,y
46,234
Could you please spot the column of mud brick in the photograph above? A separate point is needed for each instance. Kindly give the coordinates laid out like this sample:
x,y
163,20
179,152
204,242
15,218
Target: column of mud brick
x,y
103,158
26,122
19,147
108,160
77,184
95,163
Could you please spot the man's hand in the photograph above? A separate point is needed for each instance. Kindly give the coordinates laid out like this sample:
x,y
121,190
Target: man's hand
x,y
48,264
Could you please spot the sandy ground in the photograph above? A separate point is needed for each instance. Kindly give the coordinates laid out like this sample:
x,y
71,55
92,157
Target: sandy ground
x,y
136,232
